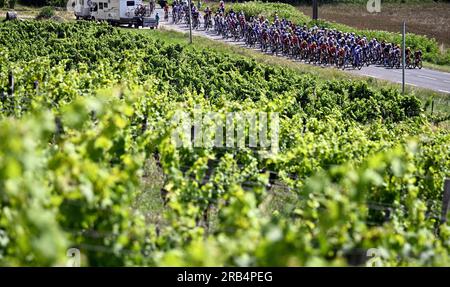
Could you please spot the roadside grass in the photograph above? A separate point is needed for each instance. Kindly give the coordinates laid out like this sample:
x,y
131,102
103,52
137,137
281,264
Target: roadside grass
x,y
441,68
148,201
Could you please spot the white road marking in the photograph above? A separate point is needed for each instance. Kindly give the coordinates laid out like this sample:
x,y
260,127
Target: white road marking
x,y
444,91
425,77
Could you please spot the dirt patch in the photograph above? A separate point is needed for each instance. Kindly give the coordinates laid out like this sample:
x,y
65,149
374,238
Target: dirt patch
x,y
431,19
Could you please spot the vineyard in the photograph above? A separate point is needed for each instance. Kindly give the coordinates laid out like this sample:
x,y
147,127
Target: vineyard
x,y
87,159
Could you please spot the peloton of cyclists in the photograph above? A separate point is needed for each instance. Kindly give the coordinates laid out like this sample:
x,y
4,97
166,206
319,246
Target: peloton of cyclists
x,y
314,44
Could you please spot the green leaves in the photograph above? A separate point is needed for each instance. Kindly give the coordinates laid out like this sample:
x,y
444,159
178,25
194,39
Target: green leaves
x,y
73,152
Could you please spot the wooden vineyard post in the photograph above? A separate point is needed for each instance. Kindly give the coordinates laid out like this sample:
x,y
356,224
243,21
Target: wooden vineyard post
x,y
36,86
445,206
11,83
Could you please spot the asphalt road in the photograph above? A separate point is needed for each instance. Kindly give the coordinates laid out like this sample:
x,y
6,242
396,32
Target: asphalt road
x,y
424,78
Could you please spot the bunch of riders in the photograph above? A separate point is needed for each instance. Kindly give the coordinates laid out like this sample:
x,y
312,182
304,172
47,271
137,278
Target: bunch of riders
x,y
312,44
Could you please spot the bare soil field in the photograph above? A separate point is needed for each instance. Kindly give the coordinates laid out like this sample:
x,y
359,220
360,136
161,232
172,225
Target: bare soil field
x,y
431,19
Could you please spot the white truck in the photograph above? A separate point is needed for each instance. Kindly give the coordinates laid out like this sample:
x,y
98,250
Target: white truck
x,y
116,12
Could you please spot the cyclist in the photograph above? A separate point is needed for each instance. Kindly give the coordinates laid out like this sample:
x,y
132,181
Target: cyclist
x,y
408,56
357,55
222,7
397,55
152,6
342,55
323,48
332,53
207,17
166,11
195,17
386,53
418,58
313,48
